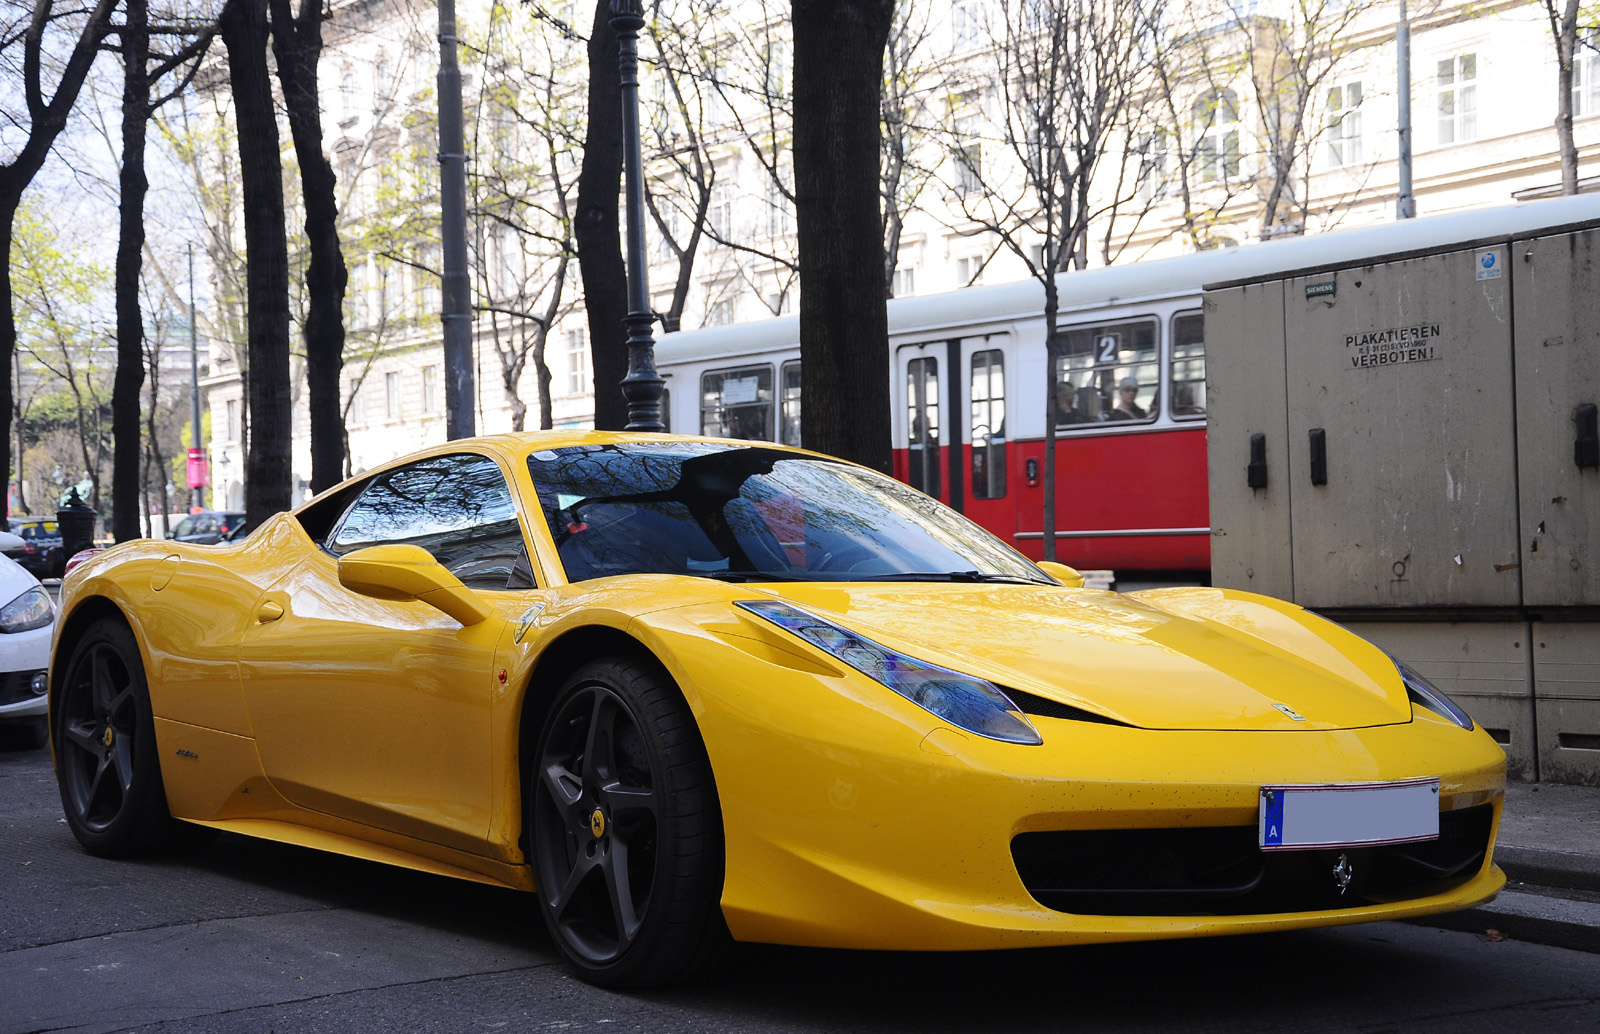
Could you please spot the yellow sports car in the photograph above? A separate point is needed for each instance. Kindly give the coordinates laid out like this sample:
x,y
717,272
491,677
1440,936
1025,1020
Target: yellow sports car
x,y
692,691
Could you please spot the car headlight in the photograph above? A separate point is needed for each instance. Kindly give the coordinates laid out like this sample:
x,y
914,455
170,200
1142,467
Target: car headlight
x,y
966,702
31,610
1425,694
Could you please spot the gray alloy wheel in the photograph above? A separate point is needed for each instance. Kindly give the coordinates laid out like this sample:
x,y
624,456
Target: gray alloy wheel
x,y
626,829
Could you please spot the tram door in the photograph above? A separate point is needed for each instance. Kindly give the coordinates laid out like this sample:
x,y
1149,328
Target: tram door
x,y
922,388
953,395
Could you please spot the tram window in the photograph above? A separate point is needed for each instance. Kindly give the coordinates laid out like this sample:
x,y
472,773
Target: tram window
x,y
922,395
1107,372
988,395
1189,366
789,403
666,409
737,403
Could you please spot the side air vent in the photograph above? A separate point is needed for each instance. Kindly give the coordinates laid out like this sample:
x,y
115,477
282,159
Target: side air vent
x,y
1043,708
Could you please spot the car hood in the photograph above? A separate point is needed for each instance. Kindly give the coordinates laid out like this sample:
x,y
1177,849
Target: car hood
x,y
1166,659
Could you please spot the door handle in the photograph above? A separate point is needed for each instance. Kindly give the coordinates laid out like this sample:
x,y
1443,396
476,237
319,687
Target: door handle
x,y
270,610
1586,447
1319,456
1255,472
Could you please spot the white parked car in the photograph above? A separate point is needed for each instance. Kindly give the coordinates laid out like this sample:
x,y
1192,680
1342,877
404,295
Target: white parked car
x,y
27,615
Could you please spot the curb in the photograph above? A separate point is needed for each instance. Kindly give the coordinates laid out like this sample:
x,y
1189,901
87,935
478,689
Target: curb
x,y
1546,868
1535,918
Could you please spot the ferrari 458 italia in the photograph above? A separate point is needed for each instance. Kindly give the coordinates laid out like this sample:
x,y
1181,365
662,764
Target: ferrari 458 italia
x,y
690,692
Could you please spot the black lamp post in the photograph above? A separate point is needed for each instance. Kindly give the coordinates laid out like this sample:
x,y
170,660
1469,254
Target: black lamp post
x,y
642,385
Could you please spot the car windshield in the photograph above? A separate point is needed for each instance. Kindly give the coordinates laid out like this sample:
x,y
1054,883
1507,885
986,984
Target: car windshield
x,y
746,513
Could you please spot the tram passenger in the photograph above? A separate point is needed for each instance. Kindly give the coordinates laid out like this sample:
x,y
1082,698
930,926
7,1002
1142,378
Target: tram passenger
x,y
1067,408
1127,407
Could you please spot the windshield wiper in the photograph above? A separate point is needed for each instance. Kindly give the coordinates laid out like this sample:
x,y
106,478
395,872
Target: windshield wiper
x,y
746,576
946,576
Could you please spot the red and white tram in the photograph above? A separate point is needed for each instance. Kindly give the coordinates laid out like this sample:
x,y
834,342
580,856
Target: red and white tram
x,y
969,390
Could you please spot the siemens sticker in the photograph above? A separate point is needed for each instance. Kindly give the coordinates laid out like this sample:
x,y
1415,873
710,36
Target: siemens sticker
x,y
1414,344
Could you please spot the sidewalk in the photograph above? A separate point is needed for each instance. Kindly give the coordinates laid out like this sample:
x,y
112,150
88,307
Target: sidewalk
x,y
1549,847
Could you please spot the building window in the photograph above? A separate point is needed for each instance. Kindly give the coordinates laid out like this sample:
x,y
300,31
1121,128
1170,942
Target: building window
x,y
1153,169
235,431
719,216
430,389
904,283
737,403
391,395
1344,125
778,303
1216,121
988,400
347,92
1458,99
967,153
777,209
577,363
969,271
964,25
1586,74
721,313
358,406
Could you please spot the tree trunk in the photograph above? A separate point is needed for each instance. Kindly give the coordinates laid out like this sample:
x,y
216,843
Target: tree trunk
x,y
267,458
48,118
297,46
128,385
1564,27
844,337
8,327
596,230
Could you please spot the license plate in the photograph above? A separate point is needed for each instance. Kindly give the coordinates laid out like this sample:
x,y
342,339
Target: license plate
x,y
1348,815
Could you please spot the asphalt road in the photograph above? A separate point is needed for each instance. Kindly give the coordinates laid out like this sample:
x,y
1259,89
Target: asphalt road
x,y
248,936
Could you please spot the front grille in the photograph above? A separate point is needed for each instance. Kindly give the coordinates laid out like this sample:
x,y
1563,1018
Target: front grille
x,y
17,686
1221,871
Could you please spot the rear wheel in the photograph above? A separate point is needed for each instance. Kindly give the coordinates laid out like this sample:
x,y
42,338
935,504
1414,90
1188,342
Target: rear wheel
x,y
109,775
627,833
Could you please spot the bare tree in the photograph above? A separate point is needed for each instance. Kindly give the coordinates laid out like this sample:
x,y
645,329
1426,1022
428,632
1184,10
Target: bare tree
x,y
526,125
914,84
1065,69
1288,63
150,51
28,67
1570,41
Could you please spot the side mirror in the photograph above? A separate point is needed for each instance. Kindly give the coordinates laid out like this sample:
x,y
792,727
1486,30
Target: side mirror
x,y
409,573
1067,576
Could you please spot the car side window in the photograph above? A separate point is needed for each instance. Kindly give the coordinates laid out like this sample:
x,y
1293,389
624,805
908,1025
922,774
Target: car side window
x,y
183,527
458,508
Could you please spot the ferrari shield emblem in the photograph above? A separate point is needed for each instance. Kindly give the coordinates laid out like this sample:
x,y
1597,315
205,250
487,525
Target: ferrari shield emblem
x,y
525,622
597,823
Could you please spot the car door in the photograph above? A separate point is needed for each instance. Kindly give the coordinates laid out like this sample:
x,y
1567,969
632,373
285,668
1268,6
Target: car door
x,y
378,711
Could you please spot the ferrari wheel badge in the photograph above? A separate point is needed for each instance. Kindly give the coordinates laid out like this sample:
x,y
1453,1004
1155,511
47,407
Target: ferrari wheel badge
x,y
597,823
108,736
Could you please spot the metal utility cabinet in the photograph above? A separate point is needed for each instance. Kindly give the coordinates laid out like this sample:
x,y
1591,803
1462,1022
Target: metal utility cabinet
x,y
1406,443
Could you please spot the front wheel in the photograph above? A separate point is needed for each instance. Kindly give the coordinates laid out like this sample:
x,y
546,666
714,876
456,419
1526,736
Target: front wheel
x,y
107,768
626,829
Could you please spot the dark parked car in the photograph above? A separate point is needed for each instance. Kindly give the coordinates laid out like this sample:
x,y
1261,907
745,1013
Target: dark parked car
x,y
40,553
207,526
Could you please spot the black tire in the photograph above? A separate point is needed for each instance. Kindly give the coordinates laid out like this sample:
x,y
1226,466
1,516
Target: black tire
x,y
30,734
106,763
626,830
